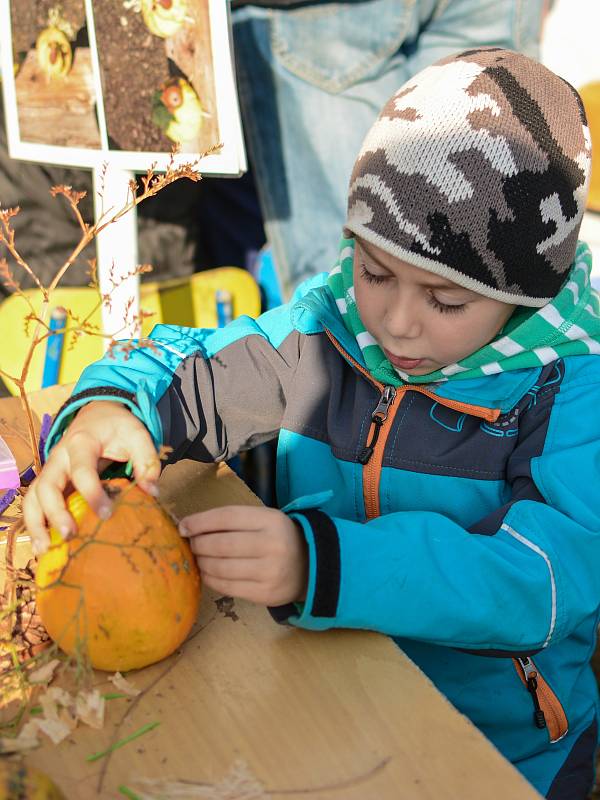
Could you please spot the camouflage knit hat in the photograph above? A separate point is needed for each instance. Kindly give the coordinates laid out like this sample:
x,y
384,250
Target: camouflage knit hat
x,y
477,169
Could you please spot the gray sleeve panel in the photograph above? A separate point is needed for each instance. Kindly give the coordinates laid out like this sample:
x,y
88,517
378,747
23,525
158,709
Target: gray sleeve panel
x,y
217,407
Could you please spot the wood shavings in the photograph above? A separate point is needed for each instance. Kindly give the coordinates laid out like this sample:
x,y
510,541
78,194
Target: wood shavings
x,y
123,685
58,718
26,740
45,673
238,784
60,715
89,708
56,728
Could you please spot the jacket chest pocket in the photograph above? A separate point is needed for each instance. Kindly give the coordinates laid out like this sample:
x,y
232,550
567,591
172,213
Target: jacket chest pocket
x,y
334,45
547,709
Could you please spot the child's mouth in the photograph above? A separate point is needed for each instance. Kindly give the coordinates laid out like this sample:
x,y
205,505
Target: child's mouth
x,y
403,363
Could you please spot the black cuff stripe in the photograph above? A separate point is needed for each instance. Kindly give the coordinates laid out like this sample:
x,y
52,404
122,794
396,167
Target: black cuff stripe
x,y
281,614
109,391
328,567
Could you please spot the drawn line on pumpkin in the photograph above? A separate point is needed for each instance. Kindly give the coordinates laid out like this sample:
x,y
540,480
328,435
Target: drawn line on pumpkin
x,y
116,745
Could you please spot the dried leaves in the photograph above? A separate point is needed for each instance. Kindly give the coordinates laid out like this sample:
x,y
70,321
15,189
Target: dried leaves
x,y
123,685
58,711
60,714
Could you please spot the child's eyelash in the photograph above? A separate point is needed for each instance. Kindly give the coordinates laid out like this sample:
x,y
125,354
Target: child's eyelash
x,y
443,308
369,277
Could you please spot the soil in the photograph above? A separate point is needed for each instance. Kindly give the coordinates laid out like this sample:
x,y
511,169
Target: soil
x,y
133,63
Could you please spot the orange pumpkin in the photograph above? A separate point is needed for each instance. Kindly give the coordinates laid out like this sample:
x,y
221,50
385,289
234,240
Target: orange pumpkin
x,y
124,590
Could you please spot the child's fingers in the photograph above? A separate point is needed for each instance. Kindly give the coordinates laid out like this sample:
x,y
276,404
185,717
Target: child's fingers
x,y
35,523
86,480
44,503
226,518
235,569
226,544
141,451
146,471
248,590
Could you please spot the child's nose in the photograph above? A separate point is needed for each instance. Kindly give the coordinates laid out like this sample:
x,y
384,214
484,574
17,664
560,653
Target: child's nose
x,y
403,319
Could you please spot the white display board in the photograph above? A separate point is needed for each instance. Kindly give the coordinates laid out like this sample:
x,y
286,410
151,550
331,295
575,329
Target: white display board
x,y
109,102
115,86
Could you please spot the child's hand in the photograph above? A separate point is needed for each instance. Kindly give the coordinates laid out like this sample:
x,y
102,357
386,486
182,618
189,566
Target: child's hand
x,y
102,431
245,551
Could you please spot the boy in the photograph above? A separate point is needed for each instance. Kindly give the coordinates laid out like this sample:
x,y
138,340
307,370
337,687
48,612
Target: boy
x,y
436,399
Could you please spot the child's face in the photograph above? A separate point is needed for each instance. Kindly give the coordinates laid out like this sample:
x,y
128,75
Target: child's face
x,y
423,322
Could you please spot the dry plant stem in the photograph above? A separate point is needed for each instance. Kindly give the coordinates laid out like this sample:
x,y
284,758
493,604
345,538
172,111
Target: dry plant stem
x,y
9,586
9,240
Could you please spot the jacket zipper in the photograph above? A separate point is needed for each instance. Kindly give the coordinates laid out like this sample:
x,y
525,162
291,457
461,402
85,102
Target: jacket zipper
x,y
371,456
547,709
378,417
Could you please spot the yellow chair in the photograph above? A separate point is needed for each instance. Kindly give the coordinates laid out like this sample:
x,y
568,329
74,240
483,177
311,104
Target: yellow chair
x,y
180,301
590,94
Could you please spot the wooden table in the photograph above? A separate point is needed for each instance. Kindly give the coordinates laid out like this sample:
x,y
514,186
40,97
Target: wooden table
x,y
289,712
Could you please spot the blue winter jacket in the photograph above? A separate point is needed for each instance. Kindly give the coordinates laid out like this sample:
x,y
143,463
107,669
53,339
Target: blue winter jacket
x,y
462,519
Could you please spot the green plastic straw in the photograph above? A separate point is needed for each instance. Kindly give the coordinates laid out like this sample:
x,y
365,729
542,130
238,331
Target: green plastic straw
x,y
140,732
127,792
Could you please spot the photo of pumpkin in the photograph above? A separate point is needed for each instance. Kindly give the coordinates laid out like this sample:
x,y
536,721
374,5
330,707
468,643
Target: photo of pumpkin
x,y
156,65
54,53
54,83
123,591
164,17
177,111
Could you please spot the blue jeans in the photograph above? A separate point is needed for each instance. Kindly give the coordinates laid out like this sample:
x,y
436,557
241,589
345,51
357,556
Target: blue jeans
x,y
311,82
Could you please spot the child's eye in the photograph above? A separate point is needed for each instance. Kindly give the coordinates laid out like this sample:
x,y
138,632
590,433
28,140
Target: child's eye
x,y
444,308
370,277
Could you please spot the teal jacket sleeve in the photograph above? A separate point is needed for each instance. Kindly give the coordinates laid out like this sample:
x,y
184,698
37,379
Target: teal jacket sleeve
x,y
206,393
522,578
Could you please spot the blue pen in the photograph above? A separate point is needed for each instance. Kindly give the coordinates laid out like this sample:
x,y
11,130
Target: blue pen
x,y
54,346
224,307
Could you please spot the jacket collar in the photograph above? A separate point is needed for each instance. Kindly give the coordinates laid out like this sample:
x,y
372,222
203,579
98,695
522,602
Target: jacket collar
x,y
314,309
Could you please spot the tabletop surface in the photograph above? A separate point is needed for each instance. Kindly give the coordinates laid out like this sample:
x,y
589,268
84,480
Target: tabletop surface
x,y
248,709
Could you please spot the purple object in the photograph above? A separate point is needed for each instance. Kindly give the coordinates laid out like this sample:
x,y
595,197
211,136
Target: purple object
x,y
9,474
45,430
6,499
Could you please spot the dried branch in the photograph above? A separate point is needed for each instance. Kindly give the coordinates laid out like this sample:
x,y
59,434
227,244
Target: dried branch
x,y
7,237
73,198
